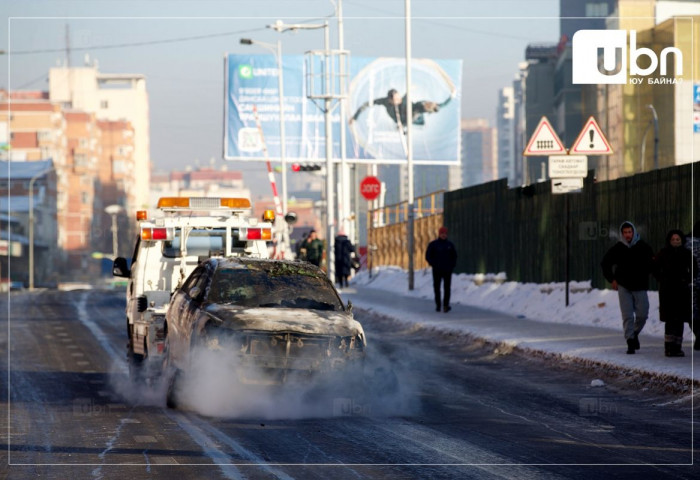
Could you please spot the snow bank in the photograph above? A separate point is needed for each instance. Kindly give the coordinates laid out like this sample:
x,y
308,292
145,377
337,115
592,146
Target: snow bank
x,y
540,302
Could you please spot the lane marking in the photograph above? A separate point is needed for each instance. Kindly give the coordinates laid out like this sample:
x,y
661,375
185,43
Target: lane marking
x,y
145,439
240,450
221,459
217,456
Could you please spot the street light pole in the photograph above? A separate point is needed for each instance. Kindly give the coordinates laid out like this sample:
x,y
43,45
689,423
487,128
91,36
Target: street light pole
x,y
277,51
328,97
655,121
113,211
31,224
409,149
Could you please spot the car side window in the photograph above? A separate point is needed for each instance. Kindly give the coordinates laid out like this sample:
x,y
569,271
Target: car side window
x,y
196,279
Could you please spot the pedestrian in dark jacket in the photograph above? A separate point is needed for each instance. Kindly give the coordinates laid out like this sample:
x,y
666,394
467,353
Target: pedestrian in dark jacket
x,y
692,243
343,250
627,266
441,254
313,248
675,268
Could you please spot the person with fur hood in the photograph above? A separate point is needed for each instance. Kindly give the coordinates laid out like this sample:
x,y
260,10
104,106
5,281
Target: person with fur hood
x,y
627,266
675,269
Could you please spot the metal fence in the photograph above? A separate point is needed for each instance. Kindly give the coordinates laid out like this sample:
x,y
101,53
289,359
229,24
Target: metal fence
x,y
386,229
522,231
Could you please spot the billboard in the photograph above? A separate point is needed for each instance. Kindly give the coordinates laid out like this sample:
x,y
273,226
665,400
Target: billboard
x,y
375,113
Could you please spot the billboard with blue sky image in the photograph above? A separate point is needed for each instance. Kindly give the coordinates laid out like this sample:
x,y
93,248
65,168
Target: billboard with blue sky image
x,y
375,113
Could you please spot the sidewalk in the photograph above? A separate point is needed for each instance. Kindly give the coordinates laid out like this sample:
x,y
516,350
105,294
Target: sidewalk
x,y
570,341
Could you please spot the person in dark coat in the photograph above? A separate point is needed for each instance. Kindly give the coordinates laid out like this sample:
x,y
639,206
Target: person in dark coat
x,y
675,269
692,243
312,249
441,255
343,250
627,266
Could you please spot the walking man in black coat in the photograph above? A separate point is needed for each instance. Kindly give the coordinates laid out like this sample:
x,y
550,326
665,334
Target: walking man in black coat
x,y
627,266
441,254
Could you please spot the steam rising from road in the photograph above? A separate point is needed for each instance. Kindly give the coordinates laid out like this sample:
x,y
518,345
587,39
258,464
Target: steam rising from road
x,y
211,387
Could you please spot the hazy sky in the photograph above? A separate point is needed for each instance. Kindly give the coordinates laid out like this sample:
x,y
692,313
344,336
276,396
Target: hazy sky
x,y
180,45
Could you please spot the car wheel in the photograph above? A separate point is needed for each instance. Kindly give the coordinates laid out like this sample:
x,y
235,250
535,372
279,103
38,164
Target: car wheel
x,y
172,375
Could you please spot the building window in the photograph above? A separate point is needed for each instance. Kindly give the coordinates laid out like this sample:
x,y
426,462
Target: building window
x,y
83,142
104,104
596,9
84,198
44,135
118,166
80,160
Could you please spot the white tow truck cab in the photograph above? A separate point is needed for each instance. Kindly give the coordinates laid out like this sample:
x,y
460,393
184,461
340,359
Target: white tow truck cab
x,y
169,246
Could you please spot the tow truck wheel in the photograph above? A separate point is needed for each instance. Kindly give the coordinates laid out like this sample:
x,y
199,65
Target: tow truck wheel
x,y
136,361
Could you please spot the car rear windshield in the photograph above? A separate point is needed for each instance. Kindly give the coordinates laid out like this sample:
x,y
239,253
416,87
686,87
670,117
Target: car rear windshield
x,y
250,287
202,242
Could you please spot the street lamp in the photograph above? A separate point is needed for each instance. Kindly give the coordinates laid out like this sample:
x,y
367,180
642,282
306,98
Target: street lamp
x,y
328,96
655,121
31,223
114,210
277,51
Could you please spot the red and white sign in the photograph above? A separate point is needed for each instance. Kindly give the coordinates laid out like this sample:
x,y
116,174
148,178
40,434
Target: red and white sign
x,y
544,141
370,187
591,140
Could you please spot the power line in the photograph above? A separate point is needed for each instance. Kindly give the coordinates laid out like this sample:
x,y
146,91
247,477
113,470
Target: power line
x,y
137,44
154,42
40,77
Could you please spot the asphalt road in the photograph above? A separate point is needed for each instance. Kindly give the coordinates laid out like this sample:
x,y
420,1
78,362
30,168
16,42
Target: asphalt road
x,y
461,411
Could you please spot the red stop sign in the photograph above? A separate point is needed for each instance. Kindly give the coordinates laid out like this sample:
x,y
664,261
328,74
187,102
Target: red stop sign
x,y
370,187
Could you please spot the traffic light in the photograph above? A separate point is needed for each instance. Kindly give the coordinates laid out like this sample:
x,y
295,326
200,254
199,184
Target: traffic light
x,y
298,167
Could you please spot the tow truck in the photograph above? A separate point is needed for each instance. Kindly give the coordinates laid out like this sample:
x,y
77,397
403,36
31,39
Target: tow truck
x,y
184,231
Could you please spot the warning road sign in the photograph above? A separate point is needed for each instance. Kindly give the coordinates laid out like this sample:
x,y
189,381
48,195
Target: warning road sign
x,y
544,141
591,140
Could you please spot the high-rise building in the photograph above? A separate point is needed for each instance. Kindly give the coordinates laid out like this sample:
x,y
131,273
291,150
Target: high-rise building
x,y
629,113
112,97
505,124
536,90
479,152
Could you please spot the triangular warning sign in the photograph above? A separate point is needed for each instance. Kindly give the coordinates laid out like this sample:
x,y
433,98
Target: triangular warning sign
x,y
544,141
591,140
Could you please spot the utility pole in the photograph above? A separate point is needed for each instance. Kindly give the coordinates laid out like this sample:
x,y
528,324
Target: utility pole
x,y
409,148
328,95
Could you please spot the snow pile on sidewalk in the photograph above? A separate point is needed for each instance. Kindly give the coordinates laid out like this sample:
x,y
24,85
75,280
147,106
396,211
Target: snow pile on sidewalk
x,y
541,302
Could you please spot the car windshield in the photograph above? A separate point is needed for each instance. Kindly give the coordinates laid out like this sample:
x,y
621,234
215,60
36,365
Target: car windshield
x,y
275,285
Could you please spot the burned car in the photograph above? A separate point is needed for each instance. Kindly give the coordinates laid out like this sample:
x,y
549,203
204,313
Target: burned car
x,y
281,319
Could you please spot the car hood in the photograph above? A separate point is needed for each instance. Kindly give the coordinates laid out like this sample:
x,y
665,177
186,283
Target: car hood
x,y
312,322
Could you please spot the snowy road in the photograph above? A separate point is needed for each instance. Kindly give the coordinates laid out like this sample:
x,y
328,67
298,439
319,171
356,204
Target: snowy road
x,y
461,412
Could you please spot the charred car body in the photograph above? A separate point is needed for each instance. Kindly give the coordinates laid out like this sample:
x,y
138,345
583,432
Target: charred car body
x,y
282,319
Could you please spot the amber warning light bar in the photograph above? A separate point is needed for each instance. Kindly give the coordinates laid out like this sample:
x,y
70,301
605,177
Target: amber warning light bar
x,y
203,203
